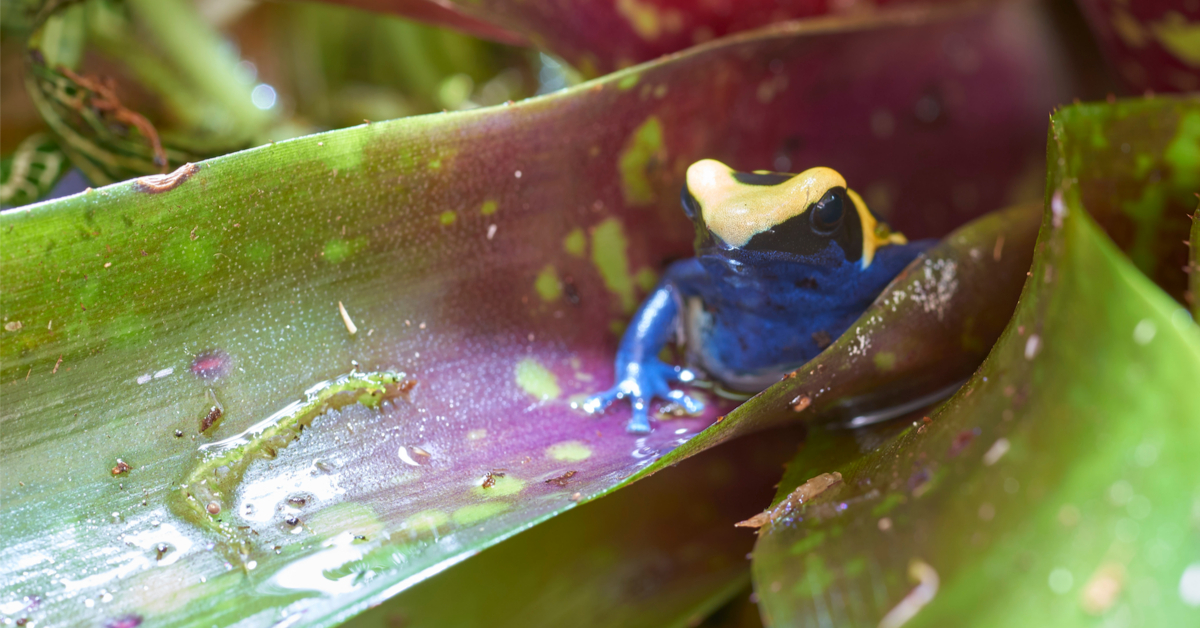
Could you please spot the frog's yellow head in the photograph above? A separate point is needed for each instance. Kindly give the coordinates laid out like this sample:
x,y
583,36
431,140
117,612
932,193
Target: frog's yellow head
x,y
796,214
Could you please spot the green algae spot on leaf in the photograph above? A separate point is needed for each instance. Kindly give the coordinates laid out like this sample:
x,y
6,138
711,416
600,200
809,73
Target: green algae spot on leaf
x,y
643,154
472,514
610,254
547,284
575,243
536,380
569,451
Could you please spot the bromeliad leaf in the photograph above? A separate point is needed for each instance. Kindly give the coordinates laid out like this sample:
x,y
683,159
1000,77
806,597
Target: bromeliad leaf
x,y
491,255
1029,494
658,553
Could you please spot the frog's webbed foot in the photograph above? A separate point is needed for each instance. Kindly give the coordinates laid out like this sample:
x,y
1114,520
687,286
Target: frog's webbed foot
x,y
641,384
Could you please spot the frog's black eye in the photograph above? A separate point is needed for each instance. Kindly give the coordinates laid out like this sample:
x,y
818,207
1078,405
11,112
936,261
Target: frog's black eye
x,y
832,219
827,213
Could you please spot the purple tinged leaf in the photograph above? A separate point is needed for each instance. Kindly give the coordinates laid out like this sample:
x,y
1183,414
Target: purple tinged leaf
x,y
444,238
1150,44
659,553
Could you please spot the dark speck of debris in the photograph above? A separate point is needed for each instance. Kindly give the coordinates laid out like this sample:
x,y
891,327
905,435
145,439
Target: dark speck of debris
x,y
211,364
210,419
161,549
961,441
297,501
178,433
292,521
562,479
918,479
360,537
569,289
490,479
126,621
122,467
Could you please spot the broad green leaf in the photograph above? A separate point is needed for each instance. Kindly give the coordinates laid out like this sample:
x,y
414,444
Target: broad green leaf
x,y
1056,487
485,262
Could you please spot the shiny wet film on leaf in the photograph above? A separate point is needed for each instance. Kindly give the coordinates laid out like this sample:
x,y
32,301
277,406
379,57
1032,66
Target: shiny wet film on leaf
x,y
478,253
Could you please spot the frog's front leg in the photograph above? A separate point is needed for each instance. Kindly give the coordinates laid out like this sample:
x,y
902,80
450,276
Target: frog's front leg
x,y
640,375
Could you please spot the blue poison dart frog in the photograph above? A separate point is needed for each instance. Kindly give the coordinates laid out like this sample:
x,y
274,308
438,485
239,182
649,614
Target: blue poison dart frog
x,y
784,264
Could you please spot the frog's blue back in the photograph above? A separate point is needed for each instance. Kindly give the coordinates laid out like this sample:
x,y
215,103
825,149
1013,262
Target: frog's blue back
x,y
763,315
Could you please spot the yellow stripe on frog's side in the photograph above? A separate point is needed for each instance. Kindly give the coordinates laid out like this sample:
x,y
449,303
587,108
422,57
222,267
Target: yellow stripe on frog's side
x,y
736,211
875,234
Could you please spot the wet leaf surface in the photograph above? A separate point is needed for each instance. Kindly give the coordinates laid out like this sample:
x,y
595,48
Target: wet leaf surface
x,y
1056,486
659,553
478,258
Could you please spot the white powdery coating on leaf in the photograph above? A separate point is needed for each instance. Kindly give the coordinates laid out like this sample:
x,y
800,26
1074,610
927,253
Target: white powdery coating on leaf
x,y
896,299
1058,209
937,288
860,344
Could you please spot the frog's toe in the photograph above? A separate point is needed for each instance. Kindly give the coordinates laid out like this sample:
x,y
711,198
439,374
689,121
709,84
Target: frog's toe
x,y
600,401
683,376
669,373
639,423
689,404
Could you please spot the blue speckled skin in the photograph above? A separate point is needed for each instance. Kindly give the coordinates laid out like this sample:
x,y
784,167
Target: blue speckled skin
x,y
758,312
747,316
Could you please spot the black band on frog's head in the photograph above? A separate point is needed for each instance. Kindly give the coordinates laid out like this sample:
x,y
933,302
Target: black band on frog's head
x,y
769,211
761,177
832,218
